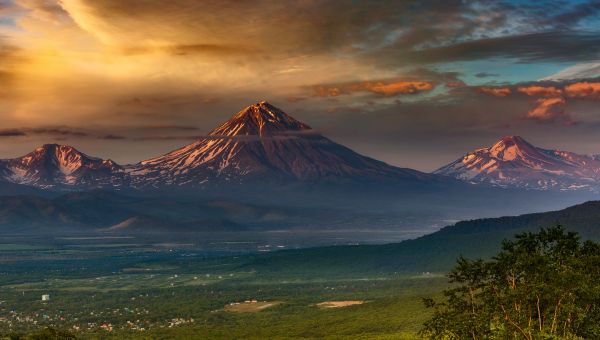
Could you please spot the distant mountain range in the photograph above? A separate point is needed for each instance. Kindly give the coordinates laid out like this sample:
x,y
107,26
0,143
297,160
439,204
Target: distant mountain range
x,y
258,144
263,145
513,162
436,252
288,175
53,165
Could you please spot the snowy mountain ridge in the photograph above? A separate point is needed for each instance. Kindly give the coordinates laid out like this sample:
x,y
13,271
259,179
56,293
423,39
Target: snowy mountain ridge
x,y
513,162
260,143
53,165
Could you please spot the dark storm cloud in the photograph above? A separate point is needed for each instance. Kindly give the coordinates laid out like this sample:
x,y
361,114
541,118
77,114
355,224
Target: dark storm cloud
x,y
272,26
574,14
554,46
390,32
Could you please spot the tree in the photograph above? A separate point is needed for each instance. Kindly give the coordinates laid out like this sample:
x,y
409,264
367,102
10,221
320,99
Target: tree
x,y
540,286
44,334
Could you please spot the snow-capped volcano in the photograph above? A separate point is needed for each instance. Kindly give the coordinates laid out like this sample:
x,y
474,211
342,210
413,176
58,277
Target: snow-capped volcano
x,y
512,161
53,165
261,142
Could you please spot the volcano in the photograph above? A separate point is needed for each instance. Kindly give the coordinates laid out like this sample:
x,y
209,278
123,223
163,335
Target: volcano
x,y
514,162
60,166
263,143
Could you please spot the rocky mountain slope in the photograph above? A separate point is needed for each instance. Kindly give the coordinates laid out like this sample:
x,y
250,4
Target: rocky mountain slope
x,y
58,166
513,162
259,144
263,143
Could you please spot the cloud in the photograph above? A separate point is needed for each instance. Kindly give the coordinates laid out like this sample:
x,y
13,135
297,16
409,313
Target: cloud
x,y
295,99
555,46
46,10
545,91
485,75
574,14
392,33
215,50
550,105
12,133
57,132
578,71
384,88
395,88
455,84
169,127
87,63
495,91
111,136
10,57
583,90
165,138
549,109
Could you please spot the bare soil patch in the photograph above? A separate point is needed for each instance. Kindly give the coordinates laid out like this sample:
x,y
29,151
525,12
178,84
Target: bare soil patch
x,y
249,306
340,304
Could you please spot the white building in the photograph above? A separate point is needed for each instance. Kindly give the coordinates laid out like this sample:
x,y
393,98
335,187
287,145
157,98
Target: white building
x,y
46,297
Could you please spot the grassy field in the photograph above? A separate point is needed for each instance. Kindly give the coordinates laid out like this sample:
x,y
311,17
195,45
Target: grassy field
x,y
164,294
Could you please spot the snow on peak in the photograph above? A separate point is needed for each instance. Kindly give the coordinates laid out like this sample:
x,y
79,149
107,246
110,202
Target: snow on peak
x,y
510,148
259,143
260,119
260,140
512,161
53,164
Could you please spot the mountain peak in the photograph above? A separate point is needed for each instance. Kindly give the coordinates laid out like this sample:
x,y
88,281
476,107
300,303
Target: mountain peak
x,y
49,147
512,161
511,140
263,143
52,165
59,151
260,119
509,148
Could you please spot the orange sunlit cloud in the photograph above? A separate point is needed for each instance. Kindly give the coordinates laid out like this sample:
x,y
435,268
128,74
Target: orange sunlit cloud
x,y
583,89
547,108
495,91
377,87
549,91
